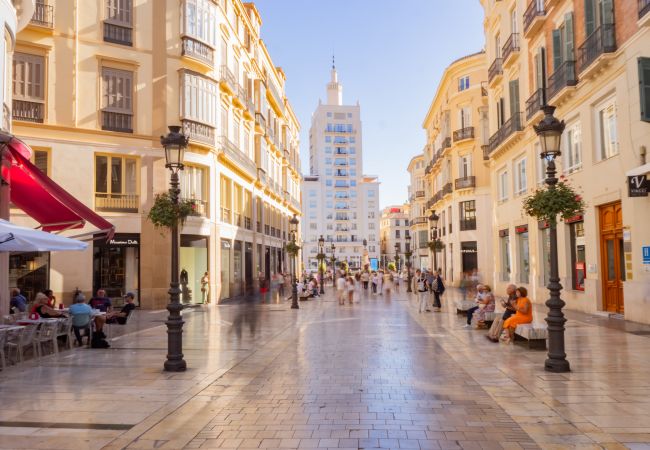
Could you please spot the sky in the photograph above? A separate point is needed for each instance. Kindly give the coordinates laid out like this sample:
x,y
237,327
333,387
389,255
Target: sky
x,y
390,56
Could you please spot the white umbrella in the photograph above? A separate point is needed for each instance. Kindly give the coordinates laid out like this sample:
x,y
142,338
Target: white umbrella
x,y
21,239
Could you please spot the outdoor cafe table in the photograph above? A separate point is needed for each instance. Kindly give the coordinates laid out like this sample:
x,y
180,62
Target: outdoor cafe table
x,y
37,321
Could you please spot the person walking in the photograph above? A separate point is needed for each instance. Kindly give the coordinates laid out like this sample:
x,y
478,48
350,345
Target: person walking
x,y
350,289
365,278
421,290
341,288
438,288
380,282
430,279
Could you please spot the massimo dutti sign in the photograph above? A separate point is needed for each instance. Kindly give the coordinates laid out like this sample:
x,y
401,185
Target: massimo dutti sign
x,y
638,186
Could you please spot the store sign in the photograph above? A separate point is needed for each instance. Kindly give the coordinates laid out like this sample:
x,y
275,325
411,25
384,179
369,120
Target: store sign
x,y
574,219
504,233
638,186
646,254
117,242
521,229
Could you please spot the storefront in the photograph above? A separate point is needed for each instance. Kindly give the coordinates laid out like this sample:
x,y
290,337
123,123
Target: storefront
x,y
577,241
194,265
225,269
29,272
116,266
523,254
469,256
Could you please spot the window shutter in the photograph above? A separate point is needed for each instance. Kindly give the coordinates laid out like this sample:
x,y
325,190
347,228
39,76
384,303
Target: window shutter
x,y
557,49
40,160
590,17
28,77
119,11
568,37
117,90
607,12
644,88
514,97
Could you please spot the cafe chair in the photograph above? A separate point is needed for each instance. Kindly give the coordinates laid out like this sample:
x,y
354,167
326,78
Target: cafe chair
x,y
47,334
20,340
65,330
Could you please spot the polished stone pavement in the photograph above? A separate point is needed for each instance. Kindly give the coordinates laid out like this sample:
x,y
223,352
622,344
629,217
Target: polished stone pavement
x,y
375,374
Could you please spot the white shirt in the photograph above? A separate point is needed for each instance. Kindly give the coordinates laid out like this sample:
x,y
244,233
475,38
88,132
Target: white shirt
x,y
340,283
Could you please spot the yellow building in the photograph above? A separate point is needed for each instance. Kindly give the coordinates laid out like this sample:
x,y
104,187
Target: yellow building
x,y
456,178
590,60
418,227
95,85
394,227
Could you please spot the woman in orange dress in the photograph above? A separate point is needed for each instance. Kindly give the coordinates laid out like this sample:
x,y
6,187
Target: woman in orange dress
x,y
524,313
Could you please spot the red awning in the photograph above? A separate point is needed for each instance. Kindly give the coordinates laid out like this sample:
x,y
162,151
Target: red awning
x,y
44,200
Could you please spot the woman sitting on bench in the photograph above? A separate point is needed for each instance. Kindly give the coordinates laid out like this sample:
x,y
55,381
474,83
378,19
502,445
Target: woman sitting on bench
x,y
523,314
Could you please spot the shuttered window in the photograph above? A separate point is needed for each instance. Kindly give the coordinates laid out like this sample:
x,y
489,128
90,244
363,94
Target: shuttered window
x,y
29,77
40,159
117,90
644,88
119,12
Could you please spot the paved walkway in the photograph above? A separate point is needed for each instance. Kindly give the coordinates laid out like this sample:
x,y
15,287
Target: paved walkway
x,y
374,374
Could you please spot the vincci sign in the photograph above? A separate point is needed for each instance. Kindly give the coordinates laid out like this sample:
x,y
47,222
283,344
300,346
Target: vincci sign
x,y
638,185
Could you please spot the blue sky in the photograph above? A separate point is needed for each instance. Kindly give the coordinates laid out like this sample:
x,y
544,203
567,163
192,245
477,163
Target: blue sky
x,y
390,56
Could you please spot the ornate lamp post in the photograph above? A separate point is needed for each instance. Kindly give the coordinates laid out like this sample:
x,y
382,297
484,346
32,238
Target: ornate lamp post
x,y
293,231
397,257
174,144
321,262
433,224
407,255
333,249
549,130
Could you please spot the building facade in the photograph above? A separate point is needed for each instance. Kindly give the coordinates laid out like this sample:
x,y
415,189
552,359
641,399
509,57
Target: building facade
x,y
93,92
589,58
418,225
456,178
340,202
394,227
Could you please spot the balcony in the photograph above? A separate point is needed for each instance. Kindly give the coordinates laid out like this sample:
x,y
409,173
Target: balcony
x,y
236,156
534,104
429,167
465,182
509,127
341,151
467,224
225,215
199,207
495,71
260,121
419,220
644,10
464,133
43,15
118,34
197,50
486,152
419,194
484,89
341,173
511,49
227,79
198,132
447,189
127,203
28,111
599,43
114,121
446,143
534,17
563,77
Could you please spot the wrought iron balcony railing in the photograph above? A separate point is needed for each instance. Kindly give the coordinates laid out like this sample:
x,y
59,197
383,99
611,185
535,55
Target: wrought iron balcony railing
x,y
464,133
115,121
511,47
419,194
509,127
118,34
601,41
644,7
534,103
198,132
199,207
28,111
43,15
197,49
534,10
226,76
233,153
465,182
447,189
564,75
496,69
419,220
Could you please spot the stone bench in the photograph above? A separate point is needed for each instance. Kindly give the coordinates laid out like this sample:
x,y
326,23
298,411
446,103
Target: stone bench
x,y
463,305
534,333
489,318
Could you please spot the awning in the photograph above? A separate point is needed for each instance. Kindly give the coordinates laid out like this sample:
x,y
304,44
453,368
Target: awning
x,y
641,170
44,200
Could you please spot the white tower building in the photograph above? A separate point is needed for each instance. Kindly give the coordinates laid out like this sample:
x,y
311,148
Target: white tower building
x,y
340,203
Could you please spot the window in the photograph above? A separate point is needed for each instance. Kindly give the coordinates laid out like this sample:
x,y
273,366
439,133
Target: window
x,y
465,117
328,139
226,202
463,83
193,181
41,158
465,166
524,255
644,88
563,45
200,17
118,27
468,215
117,100
313,204
606,127
313,226
328,150
200,99
371,194
572,148
28,88
116,183
577,236
504,247
521,177
397,236
371,226
503,185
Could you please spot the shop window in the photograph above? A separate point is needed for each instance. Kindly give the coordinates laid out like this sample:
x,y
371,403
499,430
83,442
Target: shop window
x,y
523,254
504,249
29,272
577,239
116,184
116,266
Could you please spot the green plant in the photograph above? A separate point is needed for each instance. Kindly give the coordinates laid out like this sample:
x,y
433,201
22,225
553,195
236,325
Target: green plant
x,y
165,214
436,245
343,265
391,266
322,266
547,203
292,248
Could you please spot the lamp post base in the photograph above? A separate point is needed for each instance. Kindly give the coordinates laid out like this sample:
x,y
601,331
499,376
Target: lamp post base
x,y
557,365
175,366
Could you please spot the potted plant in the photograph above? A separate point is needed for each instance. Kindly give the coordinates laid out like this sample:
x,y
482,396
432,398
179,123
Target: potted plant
x,y
547,203
165,214
436,245
391,266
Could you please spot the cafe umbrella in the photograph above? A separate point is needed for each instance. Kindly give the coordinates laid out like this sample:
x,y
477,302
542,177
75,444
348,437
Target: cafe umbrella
x,y
14,238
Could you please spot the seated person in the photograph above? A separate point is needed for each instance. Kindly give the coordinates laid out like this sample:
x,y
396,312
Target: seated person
x,y
510,303
120,317
42,308
81,315
523,313
51,298
486,305
480,291
101,302
18,302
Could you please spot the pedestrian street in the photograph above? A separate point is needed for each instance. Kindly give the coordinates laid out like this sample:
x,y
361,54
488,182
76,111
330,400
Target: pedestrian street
x,y
375,374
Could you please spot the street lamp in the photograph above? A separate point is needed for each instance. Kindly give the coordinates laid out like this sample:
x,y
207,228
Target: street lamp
x,y
549,130
321,262
293,231
397,257
333,248
407,255
433,224
174,144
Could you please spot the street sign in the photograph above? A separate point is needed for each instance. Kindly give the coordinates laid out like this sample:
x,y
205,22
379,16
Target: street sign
x,y
638,186
646,254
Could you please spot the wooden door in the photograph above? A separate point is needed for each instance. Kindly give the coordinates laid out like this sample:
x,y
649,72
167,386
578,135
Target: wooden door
x,y
612,256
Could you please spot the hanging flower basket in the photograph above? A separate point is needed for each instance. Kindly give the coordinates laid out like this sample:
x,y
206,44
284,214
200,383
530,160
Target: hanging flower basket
x,y
391,267
547,203
343,265
436,246
164,214
292,248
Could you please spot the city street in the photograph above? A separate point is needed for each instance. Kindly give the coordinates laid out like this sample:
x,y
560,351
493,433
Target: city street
x,y
375,374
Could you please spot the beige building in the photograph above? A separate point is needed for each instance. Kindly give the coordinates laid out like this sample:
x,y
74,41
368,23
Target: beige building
x,y
457,182
590,59
418,225
92,93
394,227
